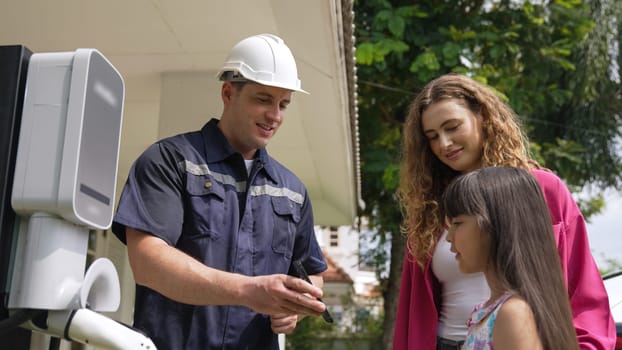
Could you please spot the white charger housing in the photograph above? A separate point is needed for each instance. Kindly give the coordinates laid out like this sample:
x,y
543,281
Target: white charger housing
x,y
69,139
64,186
65,181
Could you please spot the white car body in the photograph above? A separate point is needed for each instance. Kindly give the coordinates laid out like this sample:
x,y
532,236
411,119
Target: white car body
x,y
613,285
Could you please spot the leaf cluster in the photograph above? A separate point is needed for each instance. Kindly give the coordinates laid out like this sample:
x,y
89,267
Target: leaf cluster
x,y
553,61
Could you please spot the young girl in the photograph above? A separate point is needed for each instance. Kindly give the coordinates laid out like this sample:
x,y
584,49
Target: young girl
x,y
498,224
456,125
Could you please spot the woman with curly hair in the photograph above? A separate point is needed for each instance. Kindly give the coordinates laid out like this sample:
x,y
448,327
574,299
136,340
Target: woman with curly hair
x,y
456,125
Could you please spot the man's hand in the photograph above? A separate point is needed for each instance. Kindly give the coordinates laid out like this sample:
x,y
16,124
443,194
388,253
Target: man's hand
x,y
282,294
182,278
283,323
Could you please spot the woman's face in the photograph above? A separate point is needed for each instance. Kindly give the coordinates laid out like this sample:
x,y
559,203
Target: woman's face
x,y
454,134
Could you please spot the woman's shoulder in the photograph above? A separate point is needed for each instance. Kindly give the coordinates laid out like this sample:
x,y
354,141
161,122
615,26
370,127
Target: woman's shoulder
x,y
557,195
547,178
553,187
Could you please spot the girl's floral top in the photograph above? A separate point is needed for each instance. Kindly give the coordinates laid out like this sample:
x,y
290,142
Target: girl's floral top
x,y
481,324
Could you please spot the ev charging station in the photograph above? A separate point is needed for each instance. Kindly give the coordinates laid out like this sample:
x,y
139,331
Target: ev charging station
x,y
64,183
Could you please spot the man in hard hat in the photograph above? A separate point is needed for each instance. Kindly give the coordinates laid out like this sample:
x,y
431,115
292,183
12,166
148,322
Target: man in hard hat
x,y
213,224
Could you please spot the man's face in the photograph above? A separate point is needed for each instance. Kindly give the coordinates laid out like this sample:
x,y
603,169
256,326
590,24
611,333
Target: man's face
x,y
252,115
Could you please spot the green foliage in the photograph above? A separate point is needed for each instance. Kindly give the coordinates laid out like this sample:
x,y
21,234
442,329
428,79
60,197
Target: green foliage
x,y
591,206
612,266
307,332
536,54
364,331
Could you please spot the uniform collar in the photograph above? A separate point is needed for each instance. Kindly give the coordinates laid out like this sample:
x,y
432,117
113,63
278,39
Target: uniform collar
x,y
217,148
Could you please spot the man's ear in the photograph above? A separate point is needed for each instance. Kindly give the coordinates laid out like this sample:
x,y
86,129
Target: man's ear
x,y
226,92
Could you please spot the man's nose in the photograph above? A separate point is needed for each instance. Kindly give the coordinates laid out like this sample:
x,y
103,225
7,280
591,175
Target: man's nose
x,y
275,113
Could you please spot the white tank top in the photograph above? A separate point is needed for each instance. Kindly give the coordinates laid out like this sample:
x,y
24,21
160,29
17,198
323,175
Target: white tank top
x,y
460,292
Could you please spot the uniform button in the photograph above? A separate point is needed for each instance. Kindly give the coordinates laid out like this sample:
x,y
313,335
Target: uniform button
x,y
208,184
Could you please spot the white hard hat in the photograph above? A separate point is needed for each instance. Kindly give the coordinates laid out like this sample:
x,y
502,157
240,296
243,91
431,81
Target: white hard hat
x,y
264,59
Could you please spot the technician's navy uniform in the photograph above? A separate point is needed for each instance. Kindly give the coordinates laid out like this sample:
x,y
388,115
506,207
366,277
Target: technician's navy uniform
x,y
194,192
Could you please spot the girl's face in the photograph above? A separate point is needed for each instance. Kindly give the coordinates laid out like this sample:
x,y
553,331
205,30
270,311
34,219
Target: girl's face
x,y
468,243
454,134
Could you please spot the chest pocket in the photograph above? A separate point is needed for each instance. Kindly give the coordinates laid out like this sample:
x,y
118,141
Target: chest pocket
x,y
287,216
205,208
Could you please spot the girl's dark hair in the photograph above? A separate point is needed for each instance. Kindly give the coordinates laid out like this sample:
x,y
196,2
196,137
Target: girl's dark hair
x,y
510,209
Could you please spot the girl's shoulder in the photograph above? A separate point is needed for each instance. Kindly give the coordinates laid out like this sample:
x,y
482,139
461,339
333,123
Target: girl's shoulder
x,y
516,309
515,324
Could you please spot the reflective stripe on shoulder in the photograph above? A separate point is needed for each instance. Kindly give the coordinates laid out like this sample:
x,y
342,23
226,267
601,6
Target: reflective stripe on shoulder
x,y
194,169
240,186
203,169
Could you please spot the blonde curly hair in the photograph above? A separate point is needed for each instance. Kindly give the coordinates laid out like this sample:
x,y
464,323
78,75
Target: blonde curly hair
x,y
423,177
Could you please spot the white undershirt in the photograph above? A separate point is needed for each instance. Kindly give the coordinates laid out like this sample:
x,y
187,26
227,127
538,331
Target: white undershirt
x,y
460,292
249,165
